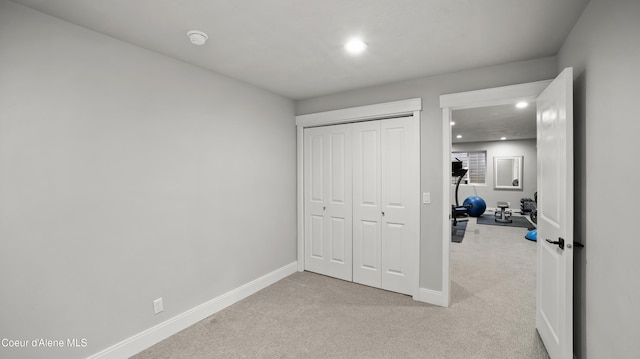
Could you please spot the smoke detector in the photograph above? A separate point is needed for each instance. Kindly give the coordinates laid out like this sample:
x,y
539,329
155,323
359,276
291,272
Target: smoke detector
x,y
197,37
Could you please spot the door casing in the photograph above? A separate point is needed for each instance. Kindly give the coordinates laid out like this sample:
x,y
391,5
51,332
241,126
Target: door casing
x,y
471,99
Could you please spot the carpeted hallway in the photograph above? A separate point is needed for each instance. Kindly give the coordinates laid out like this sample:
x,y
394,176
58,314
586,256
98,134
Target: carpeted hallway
x,y
306,315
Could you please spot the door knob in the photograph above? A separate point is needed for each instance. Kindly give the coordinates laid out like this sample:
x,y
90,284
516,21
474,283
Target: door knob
x,y
559,242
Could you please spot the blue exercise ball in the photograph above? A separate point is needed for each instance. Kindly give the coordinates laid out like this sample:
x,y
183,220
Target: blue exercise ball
x,y
478,206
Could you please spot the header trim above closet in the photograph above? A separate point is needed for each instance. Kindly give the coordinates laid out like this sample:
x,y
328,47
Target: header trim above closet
x,y
361,113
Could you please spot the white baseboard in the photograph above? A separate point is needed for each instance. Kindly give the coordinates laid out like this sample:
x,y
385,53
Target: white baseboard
x,y
151,336
432,297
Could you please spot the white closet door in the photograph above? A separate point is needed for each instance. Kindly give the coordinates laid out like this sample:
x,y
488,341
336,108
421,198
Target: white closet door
x,y
400,205
328,197
362,202
366,204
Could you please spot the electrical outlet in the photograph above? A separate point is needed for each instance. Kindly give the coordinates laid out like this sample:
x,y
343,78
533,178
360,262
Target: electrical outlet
x,y
426,198
157,306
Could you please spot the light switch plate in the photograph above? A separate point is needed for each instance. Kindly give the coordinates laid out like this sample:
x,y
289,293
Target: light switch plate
x,y
157,306
426,198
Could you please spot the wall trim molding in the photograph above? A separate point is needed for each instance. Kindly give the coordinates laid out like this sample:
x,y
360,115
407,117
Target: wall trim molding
x,y
494,96
360,113
432,297
153,335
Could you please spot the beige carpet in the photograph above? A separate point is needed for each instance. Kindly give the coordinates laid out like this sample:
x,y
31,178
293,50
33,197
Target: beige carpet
x,y
312,316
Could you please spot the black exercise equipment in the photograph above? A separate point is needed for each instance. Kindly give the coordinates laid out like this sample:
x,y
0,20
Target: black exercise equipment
x,y
458,210
534,213
527,205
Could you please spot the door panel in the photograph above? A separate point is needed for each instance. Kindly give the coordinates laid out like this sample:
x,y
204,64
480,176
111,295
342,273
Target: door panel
x,y
337,167
366,203
393,251
368,155
394,147
316,167
550,173
548,298
337,243
554,289
317,237
328,197
400,204
339,206
369,247
314,200
366,259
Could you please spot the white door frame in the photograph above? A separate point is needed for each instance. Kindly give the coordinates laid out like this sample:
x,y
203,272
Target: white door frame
x,y
481,98
410,107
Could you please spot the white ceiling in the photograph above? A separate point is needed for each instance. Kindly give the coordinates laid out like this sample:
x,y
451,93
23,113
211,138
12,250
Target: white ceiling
x,y
493,122
294,47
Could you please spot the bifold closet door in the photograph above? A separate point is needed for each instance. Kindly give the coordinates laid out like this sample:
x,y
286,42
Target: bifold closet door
x,y
385,212
367,205
328,201
400,182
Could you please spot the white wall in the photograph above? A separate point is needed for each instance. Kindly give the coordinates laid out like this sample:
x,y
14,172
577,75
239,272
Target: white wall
x,y
430,89
126,176
525,148
603,49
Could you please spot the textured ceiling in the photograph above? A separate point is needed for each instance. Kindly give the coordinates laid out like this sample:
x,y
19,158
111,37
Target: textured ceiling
x,y
493,122
294,47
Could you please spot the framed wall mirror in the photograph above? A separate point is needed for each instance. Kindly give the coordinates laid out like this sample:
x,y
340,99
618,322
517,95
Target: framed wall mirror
x,y
507,172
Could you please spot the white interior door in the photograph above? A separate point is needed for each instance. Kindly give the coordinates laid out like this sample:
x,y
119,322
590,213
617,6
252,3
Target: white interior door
x,y
400,200
367,204
554,289
328,201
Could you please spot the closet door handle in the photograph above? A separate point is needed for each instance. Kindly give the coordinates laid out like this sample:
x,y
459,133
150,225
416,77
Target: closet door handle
x,y
324,208
382,213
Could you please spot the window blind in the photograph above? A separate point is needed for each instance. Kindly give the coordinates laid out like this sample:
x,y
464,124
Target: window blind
x,y
476,163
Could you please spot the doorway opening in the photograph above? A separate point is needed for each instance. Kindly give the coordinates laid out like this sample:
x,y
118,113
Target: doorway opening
x,y
554,268
491,261
507,95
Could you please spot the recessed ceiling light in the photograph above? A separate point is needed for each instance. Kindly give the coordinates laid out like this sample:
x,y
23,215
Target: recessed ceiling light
x,y
452,123
503,138
522,104
459,136
355,46
197,37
